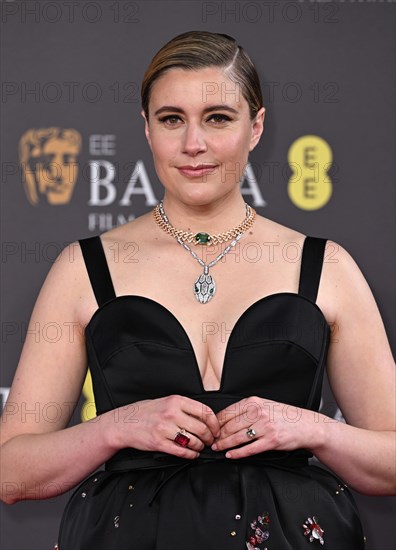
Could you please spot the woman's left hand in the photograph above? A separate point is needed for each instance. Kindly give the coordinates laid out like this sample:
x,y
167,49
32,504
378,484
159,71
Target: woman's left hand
x,y
272,426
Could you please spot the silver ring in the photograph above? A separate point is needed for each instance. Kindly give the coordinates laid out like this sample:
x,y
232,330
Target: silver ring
x,y
251,432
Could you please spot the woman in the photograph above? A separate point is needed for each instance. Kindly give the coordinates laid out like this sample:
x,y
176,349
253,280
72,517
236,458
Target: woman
x,y
207,368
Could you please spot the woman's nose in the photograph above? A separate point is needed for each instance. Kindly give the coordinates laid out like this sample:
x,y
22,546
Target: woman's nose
x,y
194,140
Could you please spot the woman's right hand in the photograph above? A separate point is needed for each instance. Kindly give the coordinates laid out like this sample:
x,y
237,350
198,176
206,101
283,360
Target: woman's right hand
x,y
151,425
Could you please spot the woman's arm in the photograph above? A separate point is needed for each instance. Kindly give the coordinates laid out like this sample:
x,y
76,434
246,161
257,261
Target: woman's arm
x,y
36,451
40,456
362,375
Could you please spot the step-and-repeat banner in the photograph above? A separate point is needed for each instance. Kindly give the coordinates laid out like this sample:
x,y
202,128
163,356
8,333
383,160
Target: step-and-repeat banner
x,y
75,162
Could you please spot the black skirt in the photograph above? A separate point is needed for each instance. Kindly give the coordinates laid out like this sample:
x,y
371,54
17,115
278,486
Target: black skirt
x,y
165,503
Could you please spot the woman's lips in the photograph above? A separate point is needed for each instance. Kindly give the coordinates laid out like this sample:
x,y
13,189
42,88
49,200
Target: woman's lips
x,y
197,171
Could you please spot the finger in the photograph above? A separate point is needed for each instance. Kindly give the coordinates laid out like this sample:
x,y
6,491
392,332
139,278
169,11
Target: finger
x,y
250,449
234,413
187,440
228,414
172,448
237,438
199,429
176,404
248,411
232,426
204,414
163,440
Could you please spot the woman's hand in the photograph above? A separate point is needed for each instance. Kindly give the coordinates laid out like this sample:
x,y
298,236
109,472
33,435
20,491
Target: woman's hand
x,y
276,426
151,425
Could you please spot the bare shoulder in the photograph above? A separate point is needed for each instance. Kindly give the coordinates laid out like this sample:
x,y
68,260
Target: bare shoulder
x,y
65,287
138,229
67,273
341,284
342,278
127,240
53,362
270,231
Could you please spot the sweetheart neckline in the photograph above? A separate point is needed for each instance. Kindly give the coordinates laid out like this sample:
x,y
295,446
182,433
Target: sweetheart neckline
x,y
183,330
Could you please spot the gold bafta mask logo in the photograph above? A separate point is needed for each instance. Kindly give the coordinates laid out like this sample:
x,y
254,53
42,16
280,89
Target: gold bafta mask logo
x,y
48,158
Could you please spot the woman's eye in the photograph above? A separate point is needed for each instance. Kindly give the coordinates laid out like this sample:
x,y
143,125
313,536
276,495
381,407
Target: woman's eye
x,y
219,118
170,119
173,120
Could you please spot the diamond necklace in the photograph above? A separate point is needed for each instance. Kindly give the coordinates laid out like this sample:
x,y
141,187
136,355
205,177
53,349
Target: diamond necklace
x,y
203,238
205,285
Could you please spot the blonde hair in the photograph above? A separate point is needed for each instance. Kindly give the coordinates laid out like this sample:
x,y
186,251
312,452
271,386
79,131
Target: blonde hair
x,y
196,50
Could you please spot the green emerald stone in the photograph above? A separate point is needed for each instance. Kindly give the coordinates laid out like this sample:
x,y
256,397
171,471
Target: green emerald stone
x,y
202,238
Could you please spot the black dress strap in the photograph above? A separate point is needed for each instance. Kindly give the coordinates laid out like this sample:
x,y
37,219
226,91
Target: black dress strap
x,y
311,267
98,270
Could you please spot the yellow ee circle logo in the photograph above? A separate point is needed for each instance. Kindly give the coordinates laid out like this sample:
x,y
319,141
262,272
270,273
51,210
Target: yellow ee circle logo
x,y
310,157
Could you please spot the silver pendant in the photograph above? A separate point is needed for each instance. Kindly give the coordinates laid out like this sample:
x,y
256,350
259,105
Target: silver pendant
x,y
204,287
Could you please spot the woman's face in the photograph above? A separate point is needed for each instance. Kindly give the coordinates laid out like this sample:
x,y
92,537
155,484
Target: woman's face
x,y
200,134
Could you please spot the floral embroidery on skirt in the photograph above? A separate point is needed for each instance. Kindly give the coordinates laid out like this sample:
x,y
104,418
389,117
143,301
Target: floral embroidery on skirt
x,y
260,532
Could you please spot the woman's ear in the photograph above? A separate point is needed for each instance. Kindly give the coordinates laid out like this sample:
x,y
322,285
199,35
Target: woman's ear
x,y
257,128
146,128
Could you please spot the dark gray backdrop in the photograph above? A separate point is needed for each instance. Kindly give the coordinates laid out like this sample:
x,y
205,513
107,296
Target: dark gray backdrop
x,y
327,69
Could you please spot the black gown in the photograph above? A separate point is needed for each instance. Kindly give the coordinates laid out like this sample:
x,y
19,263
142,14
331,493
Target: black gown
x,y
138,350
